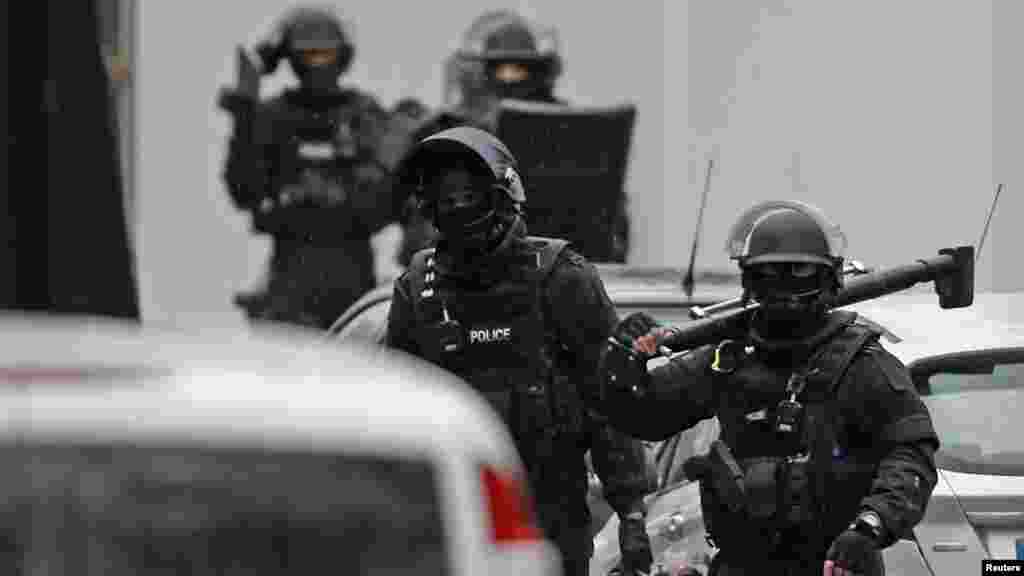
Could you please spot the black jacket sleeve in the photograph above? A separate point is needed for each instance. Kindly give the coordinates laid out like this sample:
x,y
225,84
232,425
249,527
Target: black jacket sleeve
x,y
890,414
625,470
246,165
583,314
401,320
584,317
675,396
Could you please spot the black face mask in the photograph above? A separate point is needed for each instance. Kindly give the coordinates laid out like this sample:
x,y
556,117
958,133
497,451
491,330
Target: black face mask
x,y
791,298
319,80
524,90
531,87
467,229
466,225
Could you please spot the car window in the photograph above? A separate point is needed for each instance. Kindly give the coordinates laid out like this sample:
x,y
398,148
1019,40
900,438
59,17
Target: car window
x,y
977,418
1003,377
370,325
119,510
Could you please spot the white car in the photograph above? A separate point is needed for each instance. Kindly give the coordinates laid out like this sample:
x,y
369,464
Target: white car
x,y
222,453
977,508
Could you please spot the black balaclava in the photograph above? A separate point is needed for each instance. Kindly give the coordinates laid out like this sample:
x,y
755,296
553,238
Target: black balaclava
x,y
317,31
535,86
793,298
472,230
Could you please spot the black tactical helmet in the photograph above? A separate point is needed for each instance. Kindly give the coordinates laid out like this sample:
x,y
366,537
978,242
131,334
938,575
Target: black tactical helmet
x,y
787,232
475,145
310,28
502,36
787,236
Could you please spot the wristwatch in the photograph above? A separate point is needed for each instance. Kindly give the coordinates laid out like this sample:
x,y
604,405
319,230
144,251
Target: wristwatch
x,y
869,524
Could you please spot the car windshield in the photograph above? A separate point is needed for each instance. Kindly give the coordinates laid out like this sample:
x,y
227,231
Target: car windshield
x,y
977,418
119,510
370,325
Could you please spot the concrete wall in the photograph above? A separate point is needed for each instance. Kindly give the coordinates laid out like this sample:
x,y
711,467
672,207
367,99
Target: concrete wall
x,y
1006,238
883,113
879,112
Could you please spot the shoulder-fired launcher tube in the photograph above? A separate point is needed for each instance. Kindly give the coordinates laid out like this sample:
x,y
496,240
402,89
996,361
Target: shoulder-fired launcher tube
x,y
952,272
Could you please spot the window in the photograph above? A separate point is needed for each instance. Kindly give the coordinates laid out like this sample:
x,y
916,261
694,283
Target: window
x,y
975,400
122,510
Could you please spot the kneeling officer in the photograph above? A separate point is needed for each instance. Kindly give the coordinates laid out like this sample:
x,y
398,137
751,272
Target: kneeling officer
x,y
826,454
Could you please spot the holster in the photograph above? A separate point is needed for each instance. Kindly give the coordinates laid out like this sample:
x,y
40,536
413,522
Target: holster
x,y
727,477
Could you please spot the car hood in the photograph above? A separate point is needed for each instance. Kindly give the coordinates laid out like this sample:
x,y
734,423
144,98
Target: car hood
x,y
993,506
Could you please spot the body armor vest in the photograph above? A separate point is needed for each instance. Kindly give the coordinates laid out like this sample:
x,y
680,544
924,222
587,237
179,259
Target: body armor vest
x,y
323,178
495,338
801,481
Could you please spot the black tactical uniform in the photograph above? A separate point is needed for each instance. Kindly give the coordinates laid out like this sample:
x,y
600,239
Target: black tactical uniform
x,y
308,166
522,320
474,86
820,426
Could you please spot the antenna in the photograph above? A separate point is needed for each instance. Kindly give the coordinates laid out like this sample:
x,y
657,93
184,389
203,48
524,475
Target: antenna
x,y
688,280
988,221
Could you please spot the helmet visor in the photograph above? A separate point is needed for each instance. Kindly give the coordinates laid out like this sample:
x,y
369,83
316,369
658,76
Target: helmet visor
x,y
504,35
737,245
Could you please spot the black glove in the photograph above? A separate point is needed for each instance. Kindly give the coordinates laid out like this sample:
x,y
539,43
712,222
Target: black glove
x,y
624,367
634,326
634,544
853,552
271,52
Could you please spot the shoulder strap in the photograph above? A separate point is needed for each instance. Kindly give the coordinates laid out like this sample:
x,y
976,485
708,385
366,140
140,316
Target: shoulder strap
x,y
549,249
548,253
838,353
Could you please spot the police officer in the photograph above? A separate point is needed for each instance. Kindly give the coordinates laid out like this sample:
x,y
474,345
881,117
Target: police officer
x,y
826,450
502,55
307,165
522,319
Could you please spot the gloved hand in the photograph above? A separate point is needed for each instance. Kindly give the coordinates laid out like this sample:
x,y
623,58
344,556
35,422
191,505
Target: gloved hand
x,y
637,332
270,52
631,344
634,544
852,553
273,48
